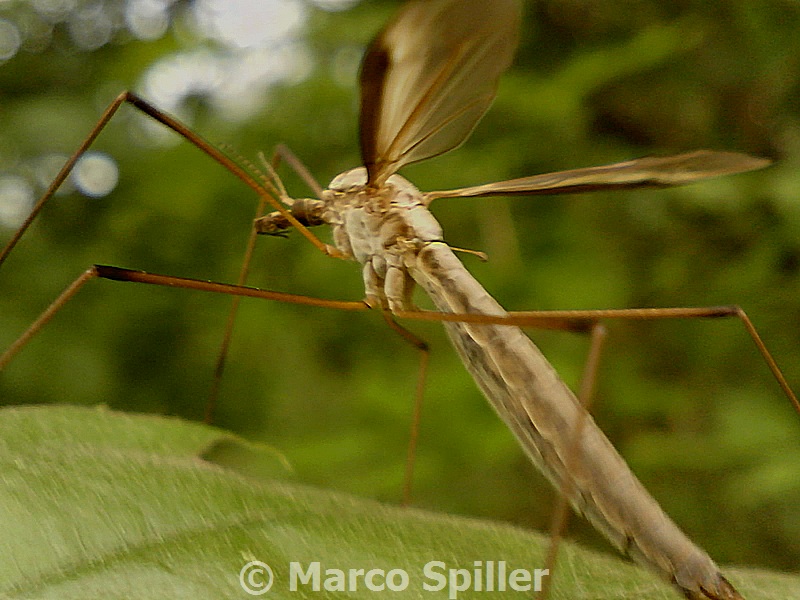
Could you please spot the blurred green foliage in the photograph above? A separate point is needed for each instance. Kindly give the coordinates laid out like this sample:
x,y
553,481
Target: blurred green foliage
x,y
690,404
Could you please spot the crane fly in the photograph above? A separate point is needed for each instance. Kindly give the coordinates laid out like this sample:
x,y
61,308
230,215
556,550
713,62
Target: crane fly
x,y
426,80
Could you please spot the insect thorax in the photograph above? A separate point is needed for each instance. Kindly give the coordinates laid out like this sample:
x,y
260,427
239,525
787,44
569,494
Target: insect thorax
x,y
382,228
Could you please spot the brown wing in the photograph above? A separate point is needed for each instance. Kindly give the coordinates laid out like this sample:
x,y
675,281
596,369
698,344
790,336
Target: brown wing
x,y
651,171
429,77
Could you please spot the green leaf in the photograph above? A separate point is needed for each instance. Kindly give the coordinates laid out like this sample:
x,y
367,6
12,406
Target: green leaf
x,y
99,504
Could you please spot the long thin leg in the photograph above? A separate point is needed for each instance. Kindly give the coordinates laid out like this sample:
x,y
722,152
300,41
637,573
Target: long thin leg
x,y
290,158
560,518
222,355
63,174
178,127
281,153
570,320
583,321
419,393
46,316
120,274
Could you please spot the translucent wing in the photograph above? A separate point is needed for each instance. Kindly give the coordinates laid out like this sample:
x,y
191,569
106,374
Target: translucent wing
x,y
428,78
642,172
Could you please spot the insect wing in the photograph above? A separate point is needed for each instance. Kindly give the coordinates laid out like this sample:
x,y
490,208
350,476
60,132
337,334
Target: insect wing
x,y
651,171
429,77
